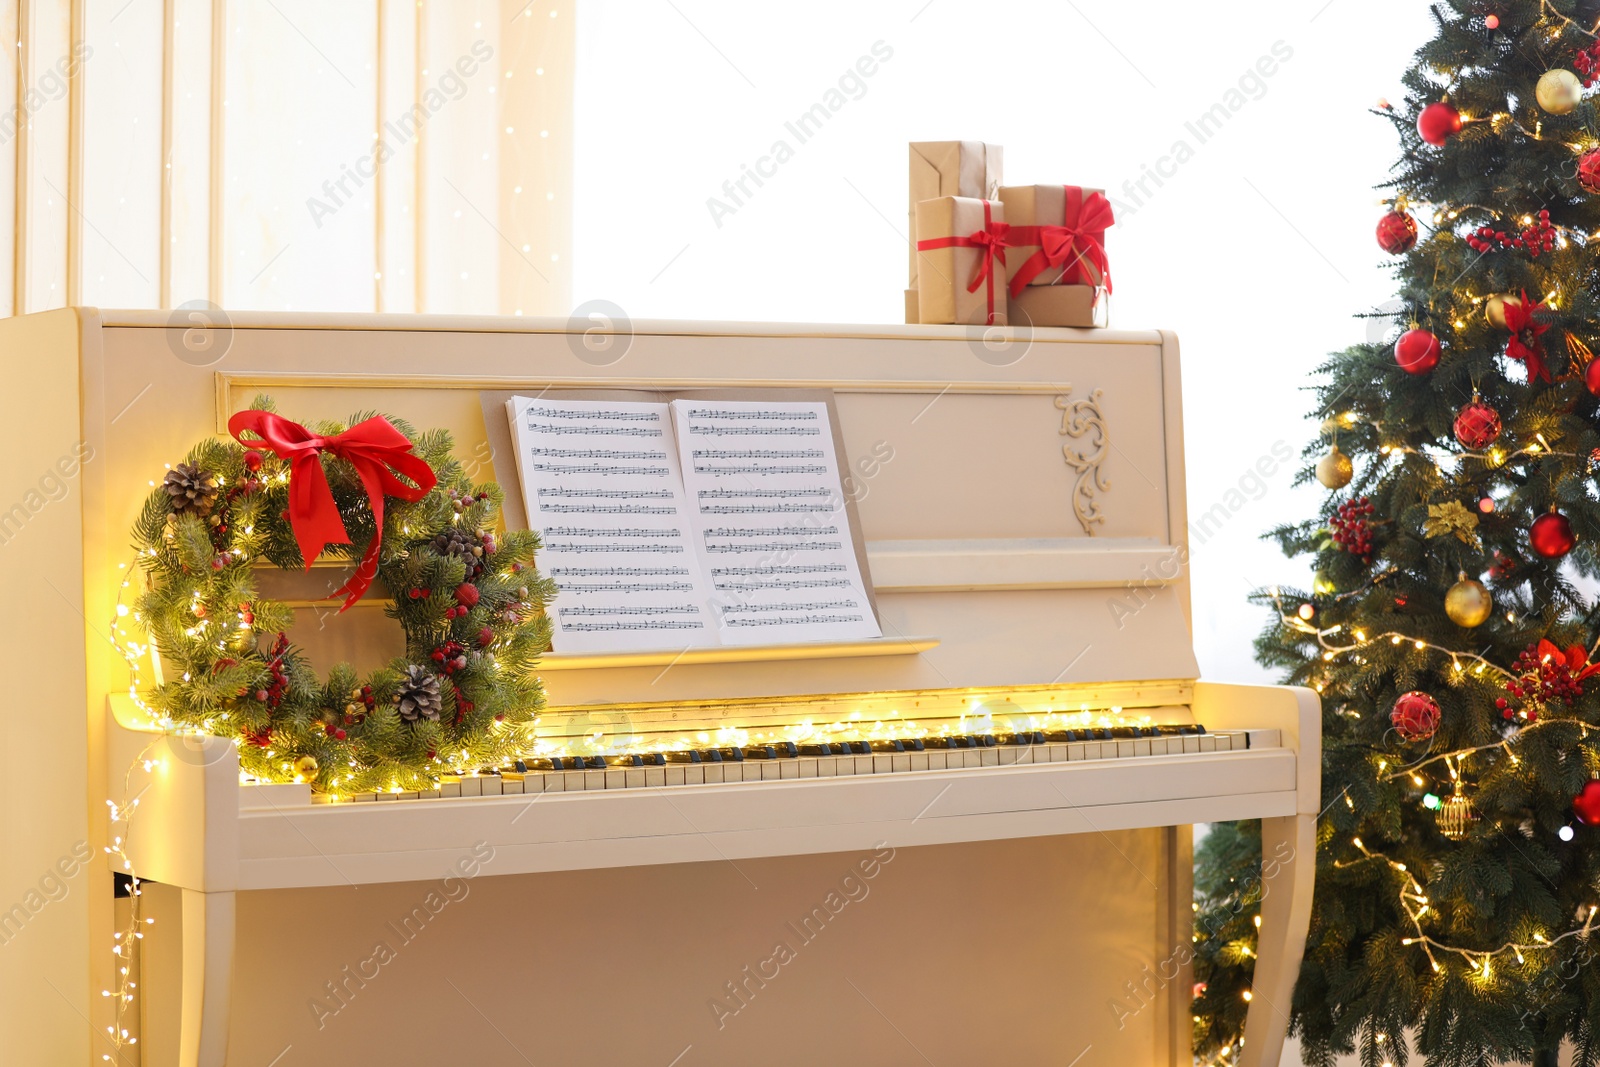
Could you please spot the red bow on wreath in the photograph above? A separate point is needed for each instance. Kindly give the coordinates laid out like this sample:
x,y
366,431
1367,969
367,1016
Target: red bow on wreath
x,y
372,448
1067,247
1524,344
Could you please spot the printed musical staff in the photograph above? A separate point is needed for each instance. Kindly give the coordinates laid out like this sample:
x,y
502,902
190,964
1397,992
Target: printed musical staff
x,y
602,484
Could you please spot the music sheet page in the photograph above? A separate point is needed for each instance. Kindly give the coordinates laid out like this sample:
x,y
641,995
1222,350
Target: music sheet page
x,y
603,487
762,478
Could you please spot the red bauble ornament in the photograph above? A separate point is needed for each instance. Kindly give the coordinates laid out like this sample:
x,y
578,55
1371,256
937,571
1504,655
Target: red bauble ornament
x,y
485,637
1438,123
1415,716
467,594
1589,171
1397,233
1551,535
1417,351
252,460
1477,424
1591,376
1586,805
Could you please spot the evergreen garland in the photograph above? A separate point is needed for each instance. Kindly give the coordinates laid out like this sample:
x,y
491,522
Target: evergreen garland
x,y
468,600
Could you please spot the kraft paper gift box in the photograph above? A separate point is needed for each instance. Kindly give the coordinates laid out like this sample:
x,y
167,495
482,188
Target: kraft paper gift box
x,y
961,261
947,168
1058,243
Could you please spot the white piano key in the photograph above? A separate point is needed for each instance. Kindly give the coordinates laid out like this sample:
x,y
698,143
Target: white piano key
x,y
472,786
633,777
863,764
694,774
918,760
1091,750
1208,742
771,769
572,781
1191,743
655,776
552,782
1125,749
1072,750
805,767
1265,738
491,785
788,768
450,789
754,770
533,782
827,766
900,761
613,778
382,796
715,773
882,763
674,773
1141,746
991,757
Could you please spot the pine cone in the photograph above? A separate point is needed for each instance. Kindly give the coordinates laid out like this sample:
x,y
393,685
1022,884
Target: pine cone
x,y
419,695
466,547
190,489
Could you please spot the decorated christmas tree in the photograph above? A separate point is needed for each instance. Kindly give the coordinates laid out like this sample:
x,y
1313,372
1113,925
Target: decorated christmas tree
x,y
1452,627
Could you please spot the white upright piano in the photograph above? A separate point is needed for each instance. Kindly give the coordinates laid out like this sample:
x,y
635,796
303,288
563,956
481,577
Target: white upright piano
x,y
1023,897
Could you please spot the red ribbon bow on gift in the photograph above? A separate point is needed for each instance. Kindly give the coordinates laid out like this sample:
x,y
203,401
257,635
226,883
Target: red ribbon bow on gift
x,y
993,240
1081,238
372,448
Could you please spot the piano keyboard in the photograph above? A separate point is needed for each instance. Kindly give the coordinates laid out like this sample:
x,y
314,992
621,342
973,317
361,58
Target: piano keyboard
x,y
791,760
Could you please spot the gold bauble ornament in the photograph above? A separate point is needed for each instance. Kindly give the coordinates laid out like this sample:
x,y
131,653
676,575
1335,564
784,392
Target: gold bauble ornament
x,y
1455,817
1559,91
1335,470
1494,309
306,767
1468,603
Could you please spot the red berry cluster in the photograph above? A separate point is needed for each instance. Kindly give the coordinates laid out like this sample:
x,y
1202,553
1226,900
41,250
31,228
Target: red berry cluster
x,y
1352,528
1503,567
452,655
278,684
1586,64
463,705
1537,238
1541,679
364,698
461,501
416,593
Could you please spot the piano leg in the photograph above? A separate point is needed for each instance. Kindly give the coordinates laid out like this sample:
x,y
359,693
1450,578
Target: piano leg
x,y
207,990
1289,866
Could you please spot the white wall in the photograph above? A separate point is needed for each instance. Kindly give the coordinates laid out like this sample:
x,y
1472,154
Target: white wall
x,y
1258,251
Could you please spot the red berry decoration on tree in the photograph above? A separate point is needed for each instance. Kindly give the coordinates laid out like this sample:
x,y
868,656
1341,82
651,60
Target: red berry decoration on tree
x,y
1586,805
1545,674
1539,236
1477,424
1551,535
1417,351
1587,64
1352,528
1415,716
466,594
1438,123
1397,232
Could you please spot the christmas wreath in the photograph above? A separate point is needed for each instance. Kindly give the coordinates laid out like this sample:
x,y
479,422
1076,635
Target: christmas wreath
x,y
396,504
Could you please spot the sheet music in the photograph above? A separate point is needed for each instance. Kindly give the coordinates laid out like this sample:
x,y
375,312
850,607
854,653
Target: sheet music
x,y
603,487
770,521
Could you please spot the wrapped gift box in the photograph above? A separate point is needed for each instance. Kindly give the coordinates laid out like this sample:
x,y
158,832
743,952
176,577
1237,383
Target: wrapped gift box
x,y
1057,267
1059,305
948,168
960,264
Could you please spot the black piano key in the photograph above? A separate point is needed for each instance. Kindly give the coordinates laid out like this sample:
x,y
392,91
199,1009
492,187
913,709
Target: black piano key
x,y
522,766
986,740
595,763
656,759
916,745
760,752
893,745
730,754
816,748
